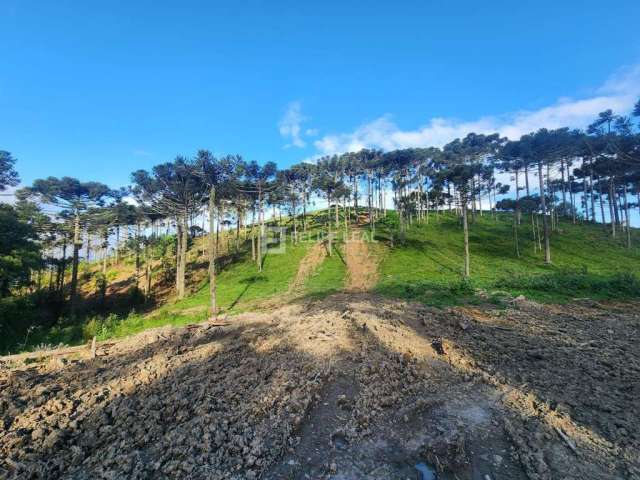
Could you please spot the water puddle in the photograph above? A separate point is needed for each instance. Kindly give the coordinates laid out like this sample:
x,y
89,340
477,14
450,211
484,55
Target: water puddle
x,y
425,472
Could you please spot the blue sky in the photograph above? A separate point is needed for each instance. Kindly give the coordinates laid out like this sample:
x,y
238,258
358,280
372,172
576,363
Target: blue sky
x,y
99,89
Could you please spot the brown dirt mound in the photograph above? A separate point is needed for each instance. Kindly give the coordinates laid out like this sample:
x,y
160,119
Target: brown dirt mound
x,y
348,387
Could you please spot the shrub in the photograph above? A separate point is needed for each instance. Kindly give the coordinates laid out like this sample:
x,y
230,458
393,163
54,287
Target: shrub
x,y
464,286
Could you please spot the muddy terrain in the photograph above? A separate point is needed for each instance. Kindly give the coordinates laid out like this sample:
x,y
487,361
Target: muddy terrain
x,y
350,387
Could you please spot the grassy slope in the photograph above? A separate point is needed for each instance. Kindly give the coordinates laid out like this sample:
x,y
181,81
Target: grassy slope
x,y
239,286
329,277
428,265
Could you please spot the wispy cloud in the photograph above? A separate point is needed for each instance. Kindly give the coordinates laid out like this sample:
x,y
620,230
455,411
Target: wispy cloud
x,y
618,93
290,126
142,153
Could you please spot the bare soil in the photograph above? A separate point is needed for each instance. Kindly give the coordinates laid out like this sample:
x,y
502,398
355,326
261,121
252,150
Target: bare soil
x,y
362,265
353,386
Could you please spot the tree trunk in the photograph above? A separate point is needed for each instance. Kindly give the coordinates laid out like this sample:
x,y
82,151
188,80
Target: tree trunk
x,y
295,225
601,200
355,195
213,252
465,228
593,200
533,233
369,199
473,199
182,255
117,244
515,233
178,253
518,214
304,211
545,219
137,253
77,244
564,189
62,267
612,201
573,203
106,247
551,198
627,214
261,232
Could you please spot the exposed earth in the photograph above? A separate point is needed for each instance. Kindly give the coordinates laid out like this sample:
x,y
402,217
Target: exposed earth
x,y
350,387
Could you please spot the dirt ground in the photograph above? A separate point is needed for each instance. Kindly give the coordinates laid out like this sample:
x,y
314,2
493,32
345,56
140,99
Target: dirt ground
x,y
353,386
362,266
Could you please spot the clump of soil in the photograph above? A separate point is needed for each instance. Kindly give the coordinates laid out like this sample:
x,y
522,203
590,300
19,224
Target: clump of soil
x,y
349,387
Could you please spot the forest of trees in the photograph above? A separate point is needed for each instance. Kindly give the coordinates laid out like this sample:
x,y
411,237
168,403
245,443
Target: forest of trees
x,y
543,177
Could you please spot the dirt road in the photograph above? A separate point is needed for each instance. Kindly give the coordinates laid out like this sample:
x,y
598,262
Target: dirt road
x,y
350,387
362,266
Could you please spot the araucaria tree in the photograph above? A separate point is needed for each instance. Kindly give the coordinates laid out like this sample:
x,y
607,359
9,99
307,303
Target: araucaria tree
x,y
465,163
175,190
8,175
77,199
219,177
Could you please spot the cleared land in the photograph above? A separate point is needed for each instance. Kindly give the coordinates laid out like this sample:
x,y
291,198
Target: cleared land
x,y
350,386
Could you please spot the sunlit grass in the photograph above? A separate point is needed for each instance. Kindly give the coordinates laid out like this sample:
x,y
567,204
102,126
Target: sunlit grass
x,y
428,264
329,277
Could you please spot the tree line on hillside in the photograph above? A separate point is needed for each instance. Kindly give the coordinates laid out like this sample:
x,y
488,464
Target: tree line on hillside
x,y
591,175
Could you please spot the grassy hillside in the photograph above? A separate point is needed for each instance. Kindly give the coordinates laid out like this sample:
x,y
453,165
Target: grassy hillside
x,y
425,266
428,264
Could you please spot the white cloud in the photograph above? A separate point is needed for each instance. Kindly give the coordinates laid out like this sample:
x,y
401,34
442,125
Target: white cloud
x,y
290,125
618,93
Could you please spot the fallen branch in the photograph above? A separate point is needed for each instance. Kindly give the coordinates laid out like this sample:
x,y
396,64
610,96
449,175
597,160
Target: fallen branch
x,y
567,440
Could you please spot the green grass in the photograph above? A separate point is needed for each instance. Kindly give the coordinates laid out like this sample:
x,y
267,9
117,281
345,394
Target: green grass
x,y
329,277
428,264
239,286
